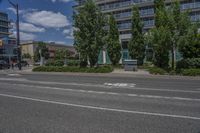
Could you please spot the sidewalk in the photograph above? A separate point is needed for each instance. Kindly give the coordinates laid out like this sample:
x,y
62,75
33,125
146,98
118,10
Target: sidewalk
x,y
139,72
116,73
16,70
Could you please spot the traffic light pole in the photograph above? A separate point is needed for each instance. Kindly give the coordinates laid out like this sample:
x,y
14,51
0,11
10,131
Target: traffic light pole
x,y
16,6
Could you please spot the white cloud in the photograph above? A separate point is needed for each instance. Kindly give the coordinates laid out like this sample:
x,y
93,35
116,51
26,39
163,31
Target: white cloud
x,y
27,36
27,27
61,1
21,11
47,19
68,33
14,10
57,42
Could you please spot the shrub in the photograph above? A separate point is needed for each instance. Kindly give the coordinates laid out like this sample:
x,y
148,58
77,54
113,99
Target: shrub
x,y
55,63
172,72
83,63
104,69
146,65
156,70
118,66
188,63
190,72
73,62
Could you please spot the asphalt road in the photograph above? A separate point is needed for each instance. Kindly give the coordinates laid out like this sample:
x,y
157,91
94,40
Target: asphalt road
x,y
68,103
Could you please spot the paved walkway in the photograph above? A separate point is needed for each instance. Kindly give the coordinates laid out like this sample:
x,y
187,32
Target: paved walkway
x,y
116,73
16,70
139,72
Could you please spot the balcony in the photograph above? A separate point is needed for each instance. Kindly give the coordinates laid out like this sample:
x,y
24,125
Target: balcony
x,y
104,1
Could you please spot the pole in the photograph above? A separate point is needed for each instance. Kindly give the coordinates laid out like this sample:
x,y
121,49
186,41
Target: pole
x,y
18,39
16,6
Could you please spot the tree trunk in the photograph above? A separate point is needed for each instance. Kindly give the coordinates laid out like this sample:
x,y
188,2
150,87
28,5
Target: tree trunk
x,y
41,61
173,57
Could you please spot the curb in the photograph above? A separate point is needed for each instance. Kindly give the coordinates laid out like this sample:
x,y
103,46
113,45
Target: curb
x,y
125,75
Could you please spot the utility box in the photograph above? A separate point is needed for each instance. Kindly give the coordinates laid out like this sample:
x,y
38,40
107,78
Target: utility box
x,y
130,65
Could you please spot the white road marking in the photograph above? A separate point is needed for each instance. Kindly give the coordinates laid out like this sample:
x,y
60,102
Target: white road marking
x,y
166,90
123,85
131,86
113,93
13,74
107,93
53,83
74,84
101,108
106,85
13,79
109,85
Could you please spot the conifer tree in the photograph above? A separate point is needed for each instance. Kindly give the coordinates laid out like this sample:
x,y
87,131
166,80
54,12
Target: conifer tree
x,y
113,43
136,45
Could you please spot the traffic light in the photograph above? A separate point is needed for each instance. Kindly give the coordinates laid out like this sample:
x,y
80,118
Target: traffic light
x,y
1,43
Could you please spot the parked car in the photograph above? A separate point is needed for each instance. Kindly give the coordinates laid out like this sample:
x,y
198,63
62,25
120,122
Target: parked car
x,y
4,64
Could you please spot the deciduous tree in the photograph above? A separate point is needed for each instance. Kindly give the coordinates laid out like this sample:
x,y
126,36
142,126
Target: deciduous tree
x,y
89,32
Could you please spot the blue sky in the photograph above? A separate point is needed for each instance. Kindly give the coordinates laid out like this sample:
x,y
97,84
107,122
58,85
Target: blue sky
x,y
43,20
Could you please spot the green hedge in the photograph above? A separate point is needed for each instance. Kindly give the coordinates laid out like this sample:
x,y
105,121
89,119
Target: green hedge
x,y
156,70
55,63
104,69
190,72
61,63
188,63
73,62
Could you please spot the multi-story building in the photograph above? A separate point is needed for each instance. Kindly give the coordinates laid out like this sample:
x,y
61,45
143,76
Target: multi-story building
x,y
4,25
121,9
29,47
8,45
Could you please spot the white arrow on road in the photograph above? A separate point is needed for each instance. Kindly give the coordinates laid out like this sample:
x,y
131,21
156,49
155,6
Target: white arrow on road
x,y
120,85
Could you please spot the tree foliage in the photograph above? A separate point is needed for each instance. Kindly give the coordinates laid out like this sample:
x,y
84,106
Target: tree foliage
x,y
136,45
61,54
189,45
26,56
41,46
113,43
89,32
172,25
160,37
160,13
178,23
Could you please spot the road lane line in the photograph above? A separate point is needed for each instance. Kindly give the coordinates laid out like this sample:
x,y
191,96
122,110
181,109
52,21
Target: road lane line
x,y
166,90
98,85
13,79
14,74
101,108
108,93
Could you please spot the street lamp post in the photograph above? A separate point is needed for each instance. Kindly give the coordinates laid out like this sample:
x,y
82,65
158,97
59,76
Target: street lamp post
x,y
16,6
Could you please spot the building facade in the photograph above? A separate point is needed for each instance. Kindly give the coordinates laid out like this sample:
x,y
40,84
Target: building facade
x,y
122,10
4,25
29,47
8,45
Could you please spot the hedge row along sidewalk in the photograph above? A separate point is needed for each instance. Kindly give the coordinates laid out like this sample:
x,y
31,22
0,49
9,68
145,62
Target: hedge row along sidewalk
x,y
104,69
180,72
